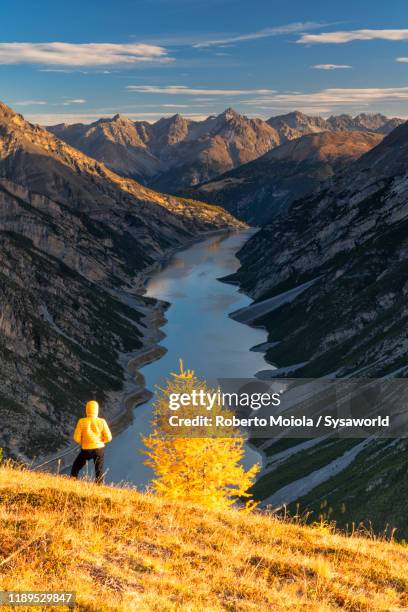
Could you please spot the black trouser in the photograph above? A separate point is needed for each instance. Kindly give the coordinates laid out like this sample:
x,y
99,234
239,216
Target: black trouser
x,y
97,455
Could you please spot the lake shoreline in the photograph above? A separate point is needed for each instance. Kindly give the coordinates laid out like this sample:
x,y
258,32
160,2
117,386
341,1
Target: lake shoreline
x,y
134,391
198,317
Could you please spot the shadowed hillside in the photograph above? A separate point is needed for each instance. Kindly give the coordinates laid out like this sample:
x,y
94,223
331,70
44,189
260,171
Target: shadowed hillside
x,y
344,250
259,190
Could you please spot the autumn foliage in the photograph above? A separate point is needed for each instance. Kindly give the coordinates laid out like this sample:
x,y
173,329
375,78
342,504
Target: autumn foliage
x,y
205,469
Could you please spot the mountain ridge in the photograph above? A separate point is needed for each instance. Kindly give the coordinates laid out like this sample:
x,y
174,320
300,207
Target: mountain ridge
x,y
268,185
344,249
175,152
174,142
76,241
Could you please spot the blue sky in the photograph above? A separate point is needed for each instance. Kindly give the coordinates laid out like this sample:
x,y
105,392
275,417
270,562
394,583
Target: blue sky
x,y
81,60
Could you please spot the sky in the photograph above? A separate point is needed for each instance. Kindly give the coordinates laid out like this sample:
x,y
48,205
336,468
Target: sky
x,y
81,60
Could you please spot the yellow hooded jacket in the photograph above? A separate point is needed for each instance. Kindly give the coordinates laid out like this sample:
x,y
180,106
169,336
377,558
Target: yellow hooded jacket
x,y
92,432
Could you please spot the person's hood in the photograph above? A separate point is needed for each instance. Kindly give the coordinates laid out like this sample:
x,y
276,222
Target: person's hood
x,y
92,409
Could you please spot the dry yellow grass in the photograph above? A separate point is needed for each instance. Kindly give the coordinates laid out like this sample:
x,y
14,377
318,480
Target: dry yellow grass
x,y
122,550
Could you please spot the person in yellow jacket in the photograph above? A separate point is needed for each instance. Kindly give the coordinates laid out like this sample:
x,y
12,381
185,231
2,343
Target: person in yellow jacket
x,y
91,433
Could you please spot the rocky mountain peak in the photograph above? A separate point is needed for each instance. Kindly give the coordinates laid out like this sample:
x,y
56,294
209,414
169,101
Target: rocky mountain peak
x,y
6,111
119,118
230,114
173,119
371,116
340,117
178,121
296,124
370,122
295,116
9,116
169,131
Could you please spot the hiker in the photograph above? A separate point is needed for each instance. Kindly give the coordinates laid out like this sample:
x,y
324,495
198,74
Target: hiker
x,y
91,433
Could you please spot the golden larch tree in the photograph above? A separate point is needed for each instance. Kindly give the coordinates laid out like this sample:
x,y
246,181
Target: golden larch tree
x,y
204,467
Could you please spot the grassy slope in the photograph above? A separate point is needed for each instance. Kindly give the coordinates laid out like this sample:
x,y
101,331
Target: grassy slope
x,y
120,549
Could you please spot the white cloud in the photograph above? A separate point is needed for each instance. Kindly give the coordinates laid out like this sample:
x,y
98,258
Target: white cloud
x,y
332,98
55,118
345,37
30,103
77,71
62,70
403,60
278,110
74,101
190,91
83,54
330,66
289,28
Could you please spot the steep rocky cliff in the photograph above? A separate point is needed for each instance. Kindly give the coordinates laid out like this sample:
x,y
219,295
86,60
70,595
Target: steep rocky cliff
x,y
75,243
330,284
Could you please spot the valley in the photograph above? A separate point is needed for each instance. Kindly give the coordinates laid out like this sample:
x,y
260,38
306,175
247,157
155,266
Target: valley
x,y
198,330
326,272
77,242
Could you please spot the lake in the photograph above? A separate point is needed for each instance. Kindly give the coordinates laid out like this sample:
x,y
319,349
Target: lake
x,y
199,331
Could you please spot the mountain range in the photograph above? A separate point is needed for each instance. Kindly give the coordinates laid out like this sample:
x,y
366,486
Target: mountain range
x,y
296,124
260,189
330,283
175,152
76,241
